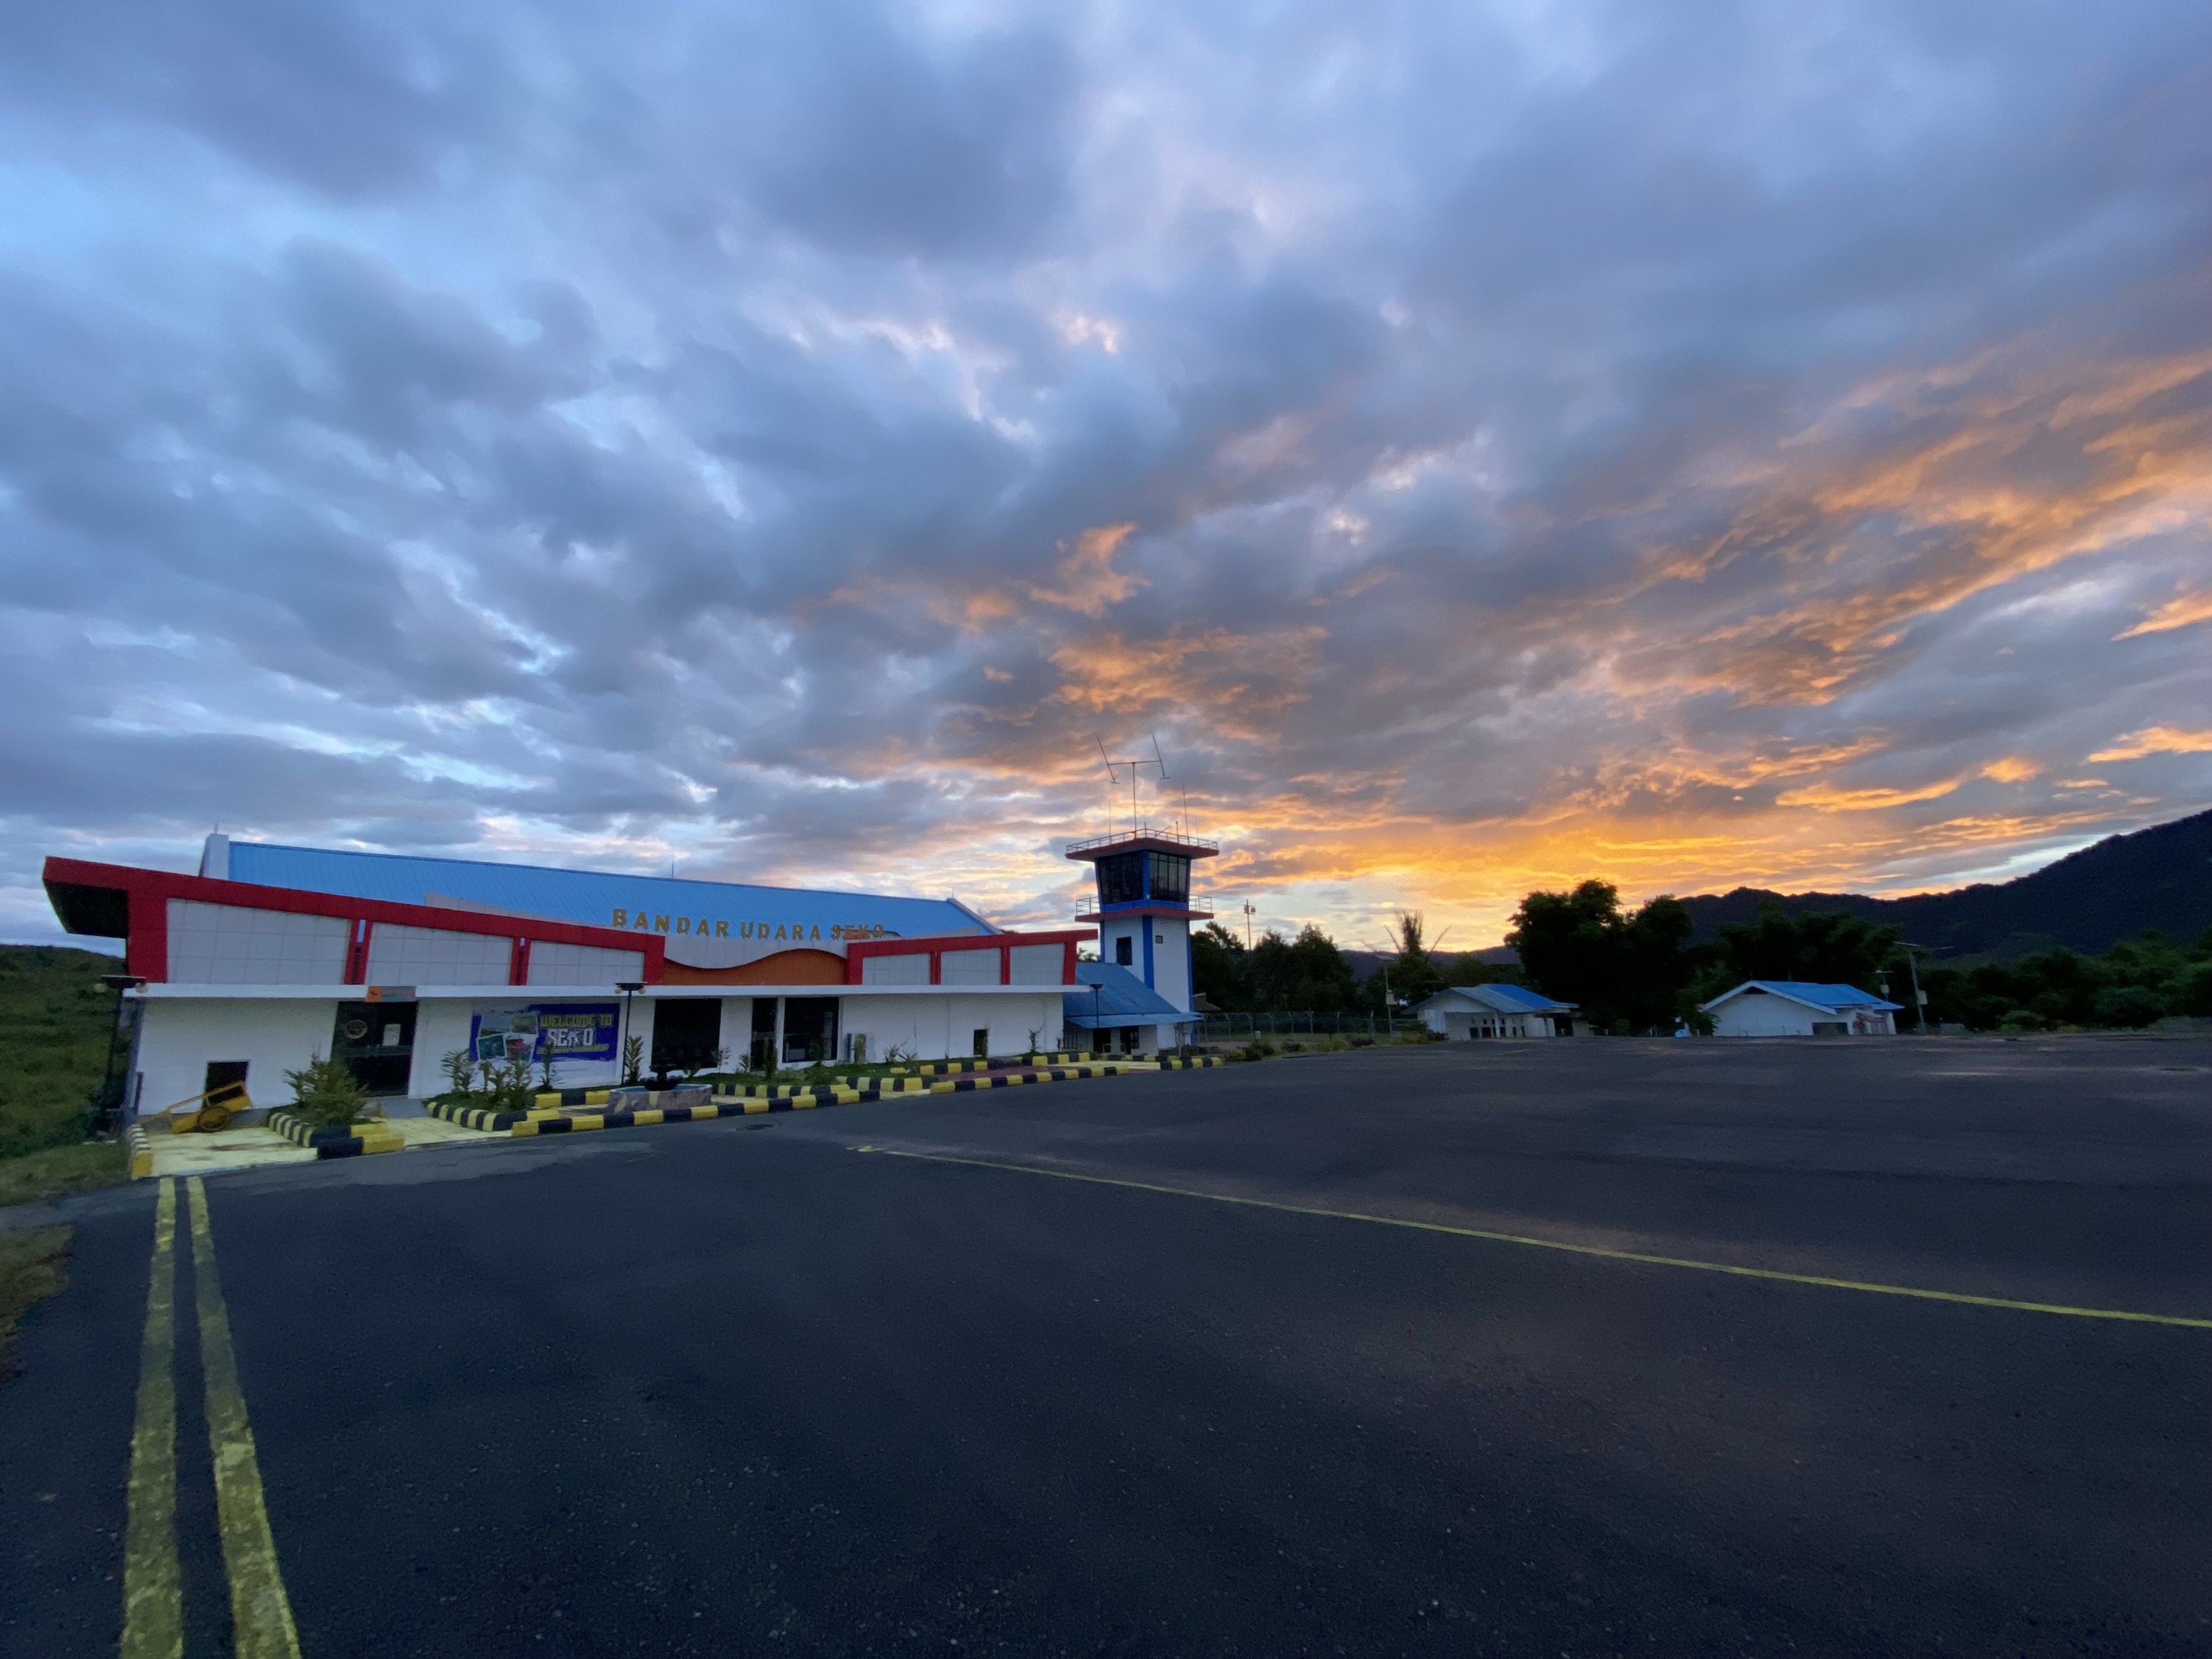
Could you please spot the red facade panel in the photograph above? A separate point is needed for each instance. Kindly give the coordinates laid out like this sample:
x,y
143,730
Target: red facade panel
x,y
859,951
147,893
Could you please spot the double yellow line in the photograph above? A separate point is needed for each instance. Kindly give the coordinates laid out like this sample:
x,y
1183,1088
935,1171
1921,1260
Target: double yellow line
x,y
153,1585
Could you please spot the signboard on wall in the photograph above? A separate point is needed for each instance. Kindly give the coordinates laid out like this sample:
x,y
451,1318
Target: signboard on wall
x,y
546,1031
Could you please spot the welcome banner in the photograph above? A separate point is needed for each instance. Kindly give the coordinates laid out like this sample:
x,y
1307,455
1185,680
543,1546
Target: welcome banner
x,y
546,1031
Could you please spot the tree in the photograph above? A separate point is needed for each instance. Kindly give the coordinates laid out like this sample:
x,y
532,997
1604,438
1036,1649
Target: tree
x,y
1220,970
1832,948
2133,984
1306,973
1626,970
1412,975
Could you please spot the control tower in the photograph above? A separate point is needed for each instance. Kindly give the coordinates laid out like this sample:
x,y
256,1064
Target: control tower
x,y
1144,913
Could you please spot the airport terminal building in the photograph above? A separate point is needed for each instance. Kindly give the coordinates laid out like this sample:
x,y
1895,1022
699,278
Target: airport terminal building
x,y
270,954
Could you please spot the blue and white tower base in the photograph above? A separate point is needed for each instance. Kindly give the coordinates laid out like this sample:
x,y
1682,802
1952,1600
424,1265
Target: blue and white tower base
x,y
1144,916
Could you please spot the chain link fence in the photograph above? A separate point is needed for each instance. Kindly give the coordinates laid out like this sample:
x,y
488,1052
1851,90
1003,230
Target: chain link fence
x,y
1231,1028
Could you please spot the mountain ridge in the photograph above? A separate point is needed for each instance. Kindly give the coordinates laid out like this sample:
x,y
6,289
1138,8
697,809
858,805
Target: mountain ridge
x,y
2115,889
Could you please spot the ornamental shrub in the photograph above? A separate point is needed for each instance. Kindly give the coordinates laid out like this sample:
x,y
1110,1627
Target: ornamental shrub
x,y
327,1094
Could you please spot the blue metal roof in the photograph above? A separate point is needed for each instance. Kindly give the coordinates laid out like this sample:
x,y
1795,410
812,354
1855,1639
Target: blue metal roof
x,y
1122,999
590,896
1502,999
1834,998
1518,997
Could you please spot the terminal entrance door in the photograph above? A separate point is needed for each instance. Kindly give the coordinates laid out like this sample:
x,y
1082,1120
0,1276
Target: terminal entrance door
x,y
376,1042
810,1029
687,1033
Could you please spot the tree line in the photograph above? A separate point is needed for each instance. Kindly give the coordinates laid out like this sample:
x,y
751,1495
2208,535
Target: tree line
x,y
1637,970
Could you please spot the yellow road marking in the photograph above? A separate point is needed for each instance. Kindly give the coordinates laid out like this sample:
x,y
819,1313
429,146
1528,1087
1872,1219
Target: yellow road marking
x,y
153,1587
1598,1250
261,1614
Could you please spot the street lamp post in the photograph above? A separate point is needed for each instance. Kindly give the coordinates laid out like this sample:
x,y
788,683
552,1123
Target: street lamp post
x,y
629,987
118,983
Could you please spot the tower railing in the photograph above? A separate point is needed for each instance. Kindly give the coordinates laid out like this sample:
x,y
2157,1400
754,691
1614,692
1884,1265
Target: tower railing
x,y
1169,837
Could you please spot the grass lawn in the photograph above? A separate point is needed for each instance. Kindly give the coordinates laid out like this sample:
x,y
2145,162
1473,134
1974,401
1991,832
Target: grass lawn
x,y
31,1269
56,1016
57,1172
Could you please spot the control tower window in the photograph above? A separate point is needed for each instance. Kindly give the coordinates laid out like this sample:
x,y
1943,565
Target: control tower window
x,y
1170,877
1121,878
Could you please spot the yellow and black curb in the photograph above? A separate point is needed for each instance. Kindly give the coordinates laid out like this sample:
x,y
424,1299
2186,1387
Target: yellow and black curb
x,y
886,1086
544,1120
1189,1062
563,1123
614,1101
907,1078
805,1100
353,1140
140,1151
481,1117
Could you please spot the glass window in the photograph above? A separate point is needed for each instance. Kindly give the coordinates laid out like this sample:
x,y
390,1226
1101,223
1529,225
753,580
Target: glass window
x,y
1121,878
1170,877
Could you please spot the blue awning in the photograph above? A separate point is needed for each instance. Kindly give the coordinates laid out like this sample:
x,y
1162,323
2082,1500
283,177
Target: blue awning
x,y
1120,998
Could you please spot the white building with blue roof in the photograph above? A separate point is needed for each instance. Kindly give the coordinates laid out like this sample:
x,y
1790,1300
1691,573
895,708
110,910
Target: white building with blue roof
x,y
1465,1011
1769,1008
269,955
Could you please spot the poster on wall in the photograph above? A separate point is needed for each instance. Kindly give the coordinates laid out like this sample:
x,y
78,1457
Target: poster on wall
x,y
558,1031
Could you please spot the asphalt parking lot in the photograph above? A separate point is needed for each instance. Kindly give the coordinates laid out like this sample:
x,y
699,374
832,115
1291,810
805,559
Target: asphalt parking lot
x,y
744,1387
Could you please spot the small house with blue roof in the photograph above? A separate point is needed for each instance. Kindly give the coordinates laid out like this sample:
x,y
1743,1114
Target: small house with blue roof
x,y
1495,1011
1776,1007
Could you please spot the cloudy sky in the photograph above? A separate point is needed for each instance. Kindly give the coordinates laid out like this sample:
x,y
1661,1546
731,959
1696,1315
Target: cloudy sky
x,y
1487,446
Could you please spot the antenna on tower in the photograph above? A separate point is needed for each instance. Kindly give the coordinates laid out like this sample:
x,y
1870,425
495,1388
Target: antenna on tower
x,y
1116,770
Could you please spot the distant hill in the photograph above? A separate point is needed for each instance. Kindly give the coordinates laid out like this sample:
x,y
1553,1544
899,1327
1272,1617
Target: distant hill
x,y
2125,885
1364,962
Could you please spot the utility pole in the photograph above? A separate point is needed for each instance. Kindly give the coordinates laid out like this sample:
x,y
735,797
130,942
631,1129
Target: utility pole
x,y
1919,996
1249,913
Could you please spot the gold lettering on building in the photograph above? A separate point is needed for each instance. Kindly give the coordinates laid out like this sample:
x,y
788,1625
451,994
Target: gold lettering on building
x,y
706,927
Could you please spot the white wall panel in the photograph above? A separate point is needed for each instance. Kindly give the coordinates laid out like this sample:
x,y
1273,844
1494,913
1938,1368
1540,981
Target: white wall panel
x,y
1170,960
1038,964
272,1035
1763,1014
442,1025
943,1028
230,944
552,963
970,967
433,955
895,969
